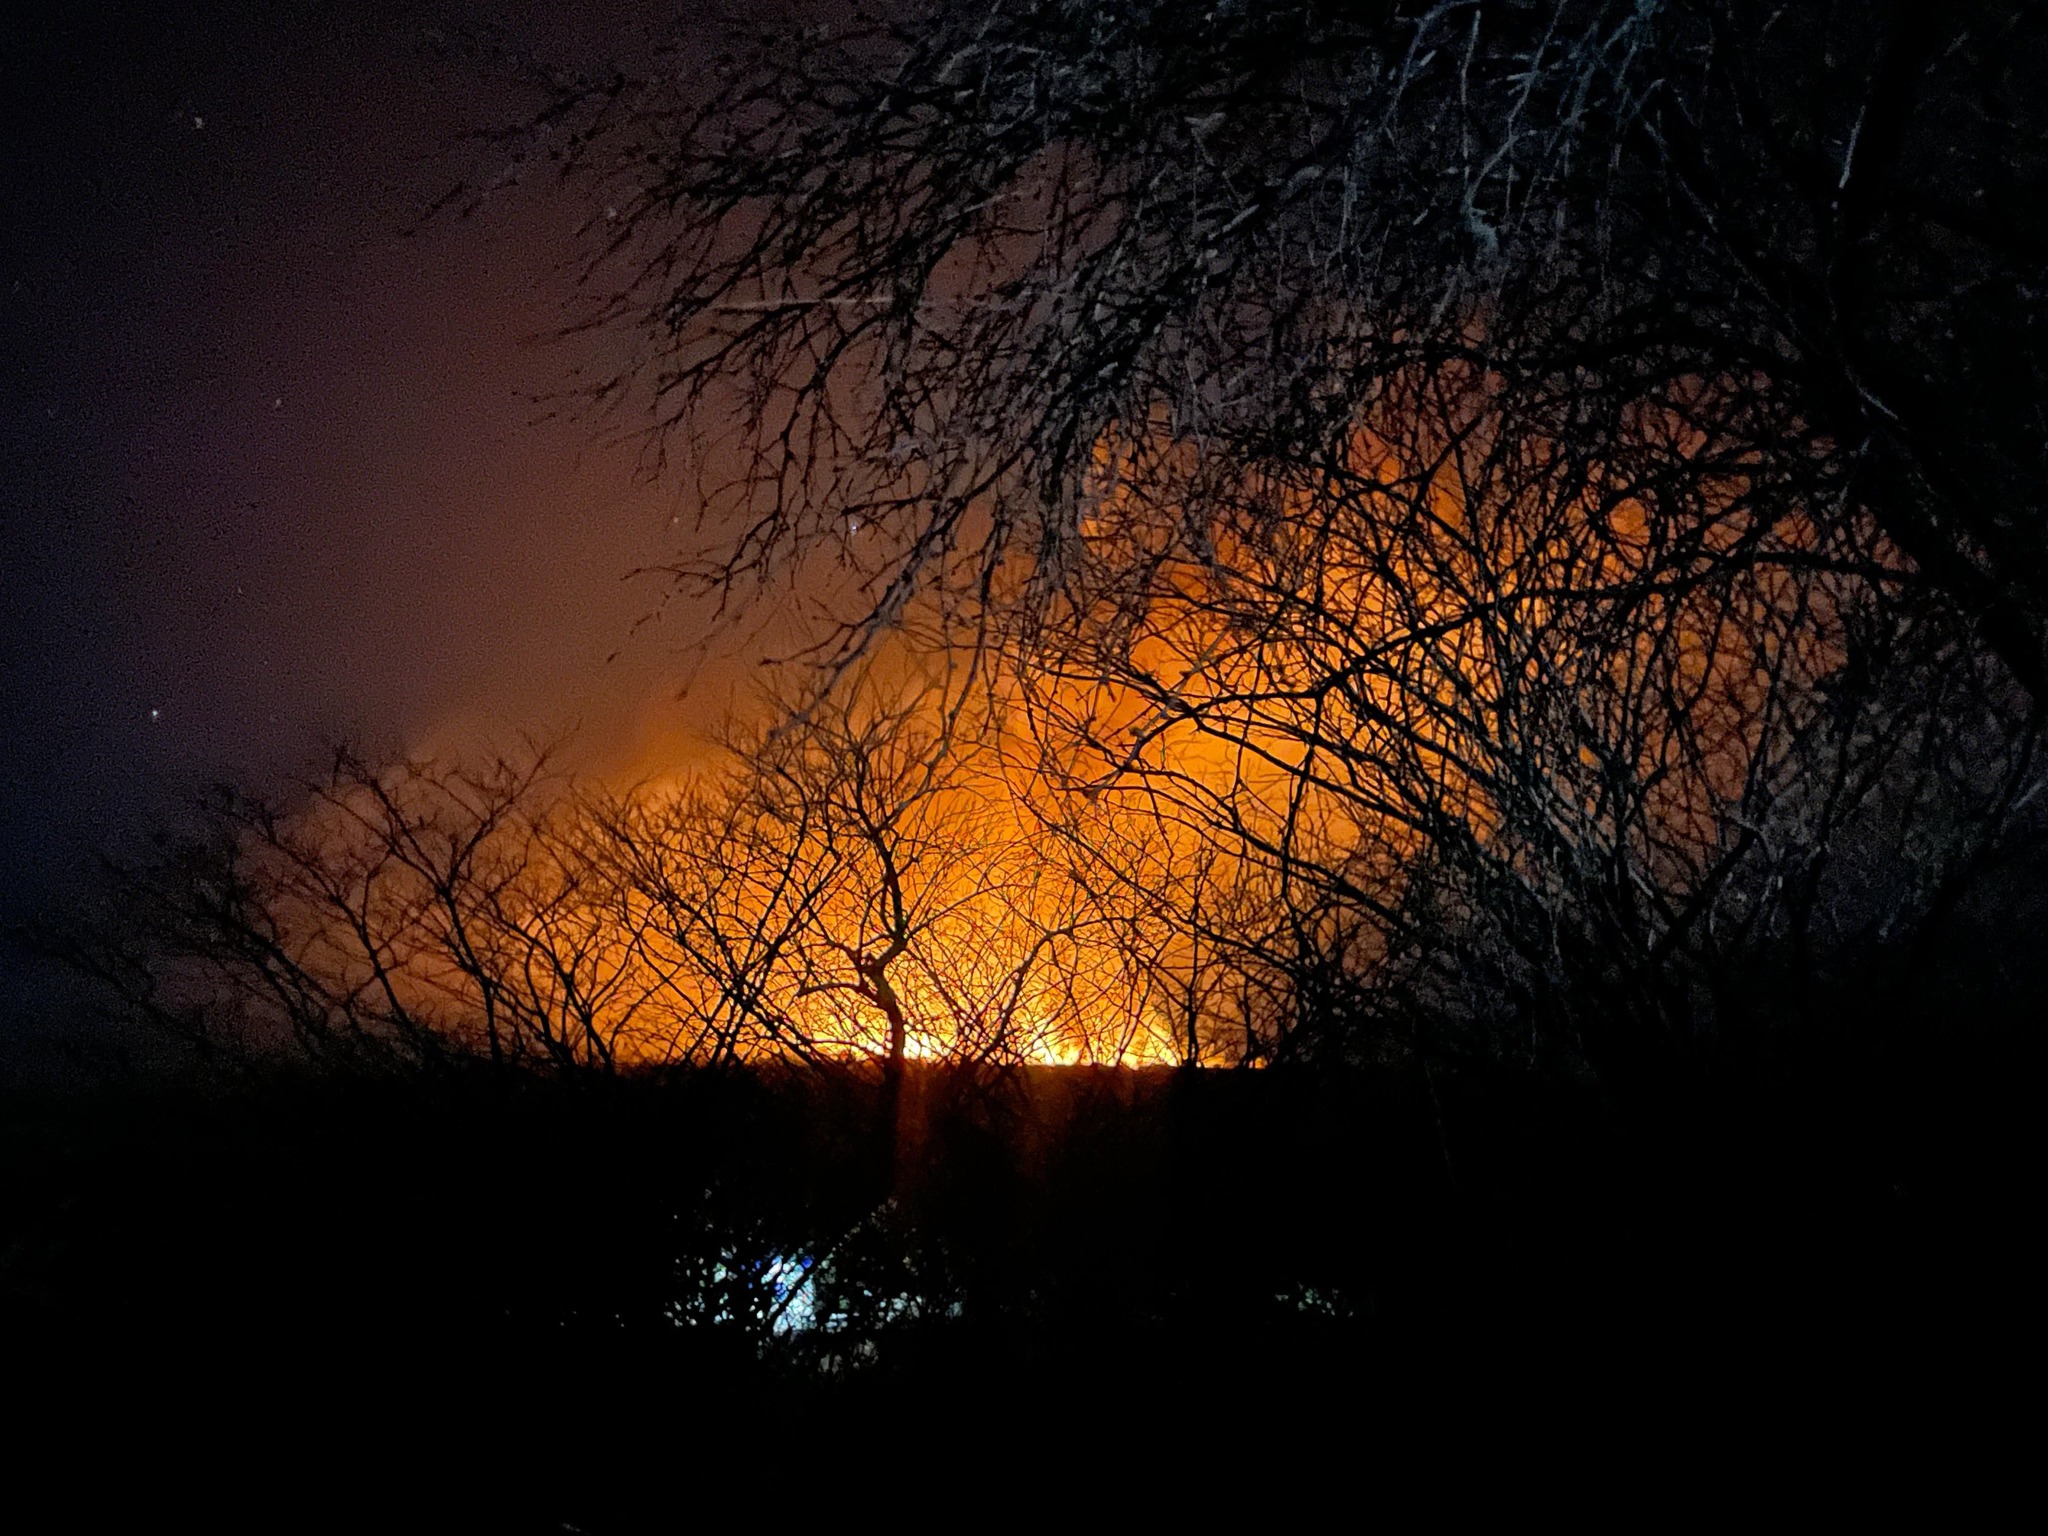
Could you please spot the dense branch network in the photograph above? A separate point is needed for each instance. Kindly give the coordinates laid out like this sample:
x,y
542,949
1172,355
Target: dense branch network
x,y
1479,529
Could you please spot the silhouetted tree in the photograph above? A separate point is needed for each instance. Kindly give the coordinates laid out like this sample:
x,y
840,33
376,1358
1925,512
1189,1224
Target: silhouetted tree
x,y
927,261
390,912
1539,484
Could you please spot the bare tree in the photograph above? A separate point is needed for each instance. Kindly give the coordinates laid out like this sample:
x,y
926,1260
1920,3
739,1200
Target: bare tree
x,y
931,925
364,920
1562,746
923,264
1527,485
855,878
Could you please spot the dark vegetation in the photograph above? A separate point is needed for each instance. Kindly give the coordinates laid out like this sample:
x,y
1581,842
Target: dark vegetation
x,y
1507,545
511,1299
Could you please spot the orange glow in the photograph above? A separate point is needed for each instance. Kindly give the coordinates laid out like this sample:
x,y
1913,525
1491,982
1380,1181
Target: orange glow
x,y
1101,860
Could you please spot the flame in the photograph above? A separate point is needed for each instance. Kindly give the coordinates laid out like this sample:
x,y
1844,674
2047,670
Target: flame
x,y
1066,892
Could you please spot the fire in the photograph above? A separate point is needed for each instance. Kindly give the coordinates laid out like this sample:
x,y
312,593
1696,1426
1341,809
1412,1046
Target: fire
x,y
1105,858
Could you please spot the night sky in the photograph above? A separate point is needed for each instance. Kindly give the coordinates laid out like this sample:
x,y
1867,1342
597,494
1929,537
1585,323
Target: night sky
x,y
274,471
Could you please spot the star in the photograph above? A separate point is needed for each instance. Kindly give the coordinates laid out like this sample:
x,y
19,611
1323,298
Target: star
x,y
156,714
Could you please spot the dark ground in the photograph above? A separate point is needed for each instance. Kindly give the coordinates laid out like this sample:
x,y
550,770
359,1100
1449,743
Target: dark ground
x,y
558,1301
